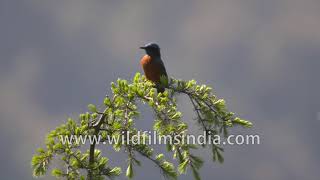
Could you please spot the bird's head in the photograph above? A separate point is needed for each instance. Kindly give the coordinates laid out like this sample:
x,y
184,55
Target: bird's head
x,y
152,49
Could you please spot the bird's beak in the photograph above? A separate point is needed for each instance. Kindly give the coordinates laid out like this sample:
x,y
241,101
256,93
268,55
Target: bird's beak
x,y
142,47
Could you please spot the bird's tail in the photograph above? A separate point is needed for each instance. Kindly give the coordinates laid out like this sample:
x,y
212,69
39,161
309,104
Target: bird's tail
x,y
160,89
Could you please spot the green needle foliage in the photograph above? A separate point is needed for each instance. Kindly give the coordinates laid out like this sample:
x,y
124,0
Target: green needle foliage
x,y
118,116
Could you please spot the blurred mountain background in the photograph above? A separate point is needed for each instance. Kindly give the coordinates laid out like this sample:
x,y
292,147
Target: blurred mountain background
x,y
262,56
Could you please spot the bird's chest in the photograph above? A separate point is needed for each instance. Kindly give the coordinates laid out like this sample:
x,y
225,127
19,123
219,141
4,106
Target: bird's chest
x,y
150,67
148,63
146,60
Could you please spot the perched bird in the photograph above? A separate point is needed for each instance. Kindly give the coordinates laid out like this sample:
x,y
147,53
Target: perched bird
x,y
153,66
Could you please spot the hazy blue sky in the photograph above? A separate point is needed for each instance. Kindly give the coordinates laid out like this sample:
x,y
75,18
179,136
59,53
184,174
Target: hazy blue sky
x,y
262,56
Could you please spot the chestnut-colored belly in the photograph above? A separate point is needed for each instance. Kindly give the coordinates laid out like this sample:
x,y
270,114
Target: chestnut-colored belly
x,y
151,69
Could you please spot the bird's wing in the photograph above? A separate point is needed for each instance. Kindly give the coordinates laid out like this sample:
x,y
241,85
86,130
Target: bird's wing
x,y
162,68
163,77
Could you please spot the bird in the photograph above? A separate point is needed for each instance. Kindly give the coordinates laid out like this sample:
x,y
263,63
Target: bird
x,y
153,66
